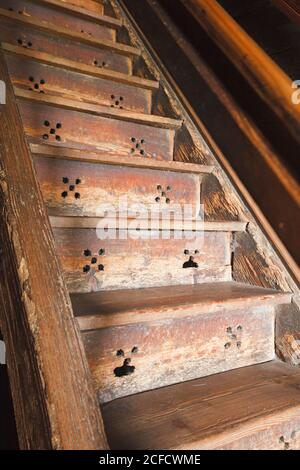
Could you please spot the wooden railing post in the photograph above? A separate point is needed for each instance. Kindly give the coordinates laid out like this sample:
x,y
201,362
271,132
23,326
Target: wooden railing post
x,y
54,399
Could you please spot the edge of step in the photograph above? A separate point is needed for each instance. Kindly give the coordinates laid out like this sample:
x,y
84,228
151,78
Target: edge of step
x,y
79,67
100,110
229,410
122,307
72,35
98,157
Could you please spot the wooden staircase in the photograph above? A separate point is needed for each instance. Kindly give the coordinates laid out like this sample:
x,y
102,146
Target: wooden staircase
x,y
168,316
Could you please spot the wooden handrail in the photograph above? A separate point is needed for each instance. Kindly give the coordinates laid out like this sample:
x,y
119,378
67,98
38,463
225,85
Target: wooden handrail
x,y
290,7
55,403
269,80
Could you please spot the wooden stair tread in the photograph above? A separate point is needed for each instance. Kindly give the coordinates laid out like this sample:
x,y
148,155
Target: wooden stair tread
x,y
79,67
67,33
82,12
100,110
97,157
102,309
204,413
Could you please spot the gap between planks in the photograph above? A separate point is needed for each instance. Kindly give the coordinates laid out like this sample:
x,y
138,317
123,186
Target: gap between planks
x,y
100,110
79,67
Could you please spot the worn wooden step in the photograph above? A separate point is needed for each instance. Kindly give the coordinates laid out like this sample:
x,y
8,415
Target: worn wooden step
x,y
33,40
55,81
90,69
43,11
252,408
71,34
82,130
91,189
173,334
128,161
121,259
99,110
81,9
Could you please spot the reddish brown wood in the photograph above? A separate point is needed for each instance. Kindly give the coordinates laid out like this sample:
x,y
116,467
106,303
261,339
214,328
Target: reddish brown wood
x,y
34,40
55,403
67,84
90,5
143,262
86,131
59,18
250,408
106,184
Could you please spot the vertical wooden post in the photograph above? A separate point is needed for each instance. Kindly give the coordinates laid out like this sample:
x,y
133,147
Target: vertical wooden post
x,y
54,399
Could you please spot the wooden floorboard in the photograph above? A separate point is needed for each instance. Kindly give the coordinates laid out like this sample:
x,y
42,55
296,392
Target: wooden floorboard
x,y
185,415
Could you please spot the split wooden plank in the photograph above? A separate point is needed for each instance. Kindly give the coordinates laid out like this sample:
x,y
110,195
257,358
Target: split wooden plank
x,y
41,12
76,66
99,110
54,400
98,157
85,189
56,81
96,260
83,38
64,128
252,408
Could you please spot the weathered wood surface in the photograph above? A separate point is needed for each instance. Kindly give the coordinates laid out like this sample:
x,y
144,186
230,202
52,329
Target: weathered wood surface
x,y
146,261
82,188
99,110
290,8
82,12
47,80
269,80
251,408
34,41
86,131
94,156
173,351
104,310
42,13
70,34
93,68
54,401
288,332
90,5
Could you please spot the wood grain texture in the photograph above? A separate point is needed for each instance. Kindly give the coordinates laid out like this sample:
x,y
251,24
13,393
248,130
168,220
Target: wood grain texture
x,y
104,310
99,110
41,12
82,12
55,403
250,408
269,80
88,132
290,7
89,69
101,188
38,42
175,350
75,86
63,32
149,260
89,5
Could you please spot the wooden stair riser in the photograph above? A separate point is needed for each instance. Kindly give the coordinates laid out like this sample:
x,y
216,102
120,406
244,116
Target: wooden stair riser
x,y
98,185
144,262
95,6
59,82
31,39
169,351
86,131
60,18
